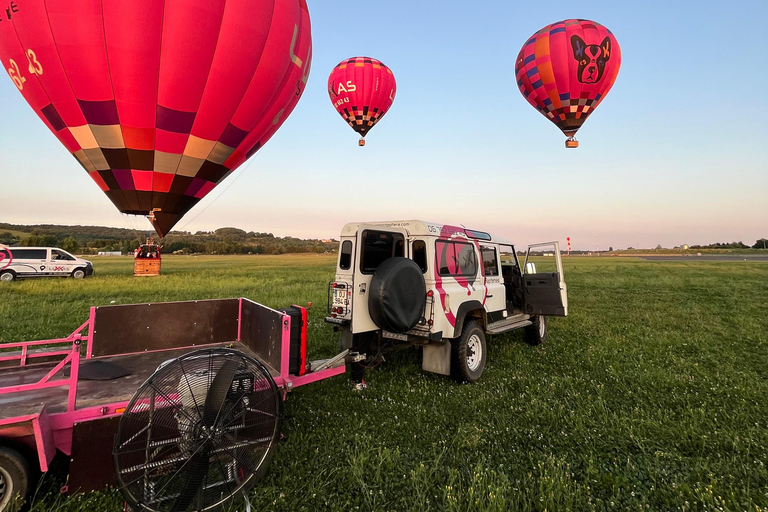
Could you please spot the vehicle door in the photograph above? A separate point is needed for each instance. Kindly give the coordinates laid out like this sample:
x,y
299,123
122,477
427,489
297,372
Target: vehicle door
x,y
495,297
543,282
61,263
375,245
458,279
30,262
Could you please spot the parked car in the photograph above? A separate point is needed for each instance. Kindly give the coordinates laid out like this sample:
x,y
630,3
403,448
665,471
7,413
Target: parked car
x,y
16,262
441,287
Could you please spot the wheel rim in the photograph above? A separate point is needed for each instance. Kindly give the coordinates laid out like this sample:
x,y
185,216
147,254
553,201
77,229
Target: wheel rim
x,y
6,488
79,274
542,327
474,352
7,277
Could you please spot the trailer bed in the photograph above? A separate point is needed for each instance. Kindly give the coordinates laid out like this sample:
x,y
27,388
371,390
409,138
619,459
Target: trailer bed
x,y
90,393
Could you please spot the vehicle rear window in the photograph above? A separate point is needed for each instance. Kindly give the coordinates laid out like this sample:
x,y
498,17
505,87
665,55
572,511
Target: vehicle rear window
x,y
345,255
456,258
379,246
29,254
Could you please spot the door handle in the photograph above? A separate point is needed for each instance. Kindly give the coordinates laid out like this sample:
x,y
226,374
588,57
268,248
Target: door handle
x,y
489,296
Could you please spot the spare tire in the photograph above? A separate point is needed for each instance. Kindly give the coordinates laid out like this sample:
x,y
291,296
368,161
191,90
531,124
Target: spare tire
x,y
396,298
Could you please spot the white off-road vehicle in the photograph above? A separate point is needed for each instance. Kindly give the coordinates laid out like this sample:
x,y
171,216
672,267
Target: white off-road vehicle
x,y
441,287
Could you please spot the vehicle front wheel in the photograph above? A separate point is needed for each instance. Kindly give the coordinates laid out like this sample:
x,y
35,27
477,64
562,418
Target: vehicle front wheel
x,y
78,273
7,276
469,353
14,477
536,333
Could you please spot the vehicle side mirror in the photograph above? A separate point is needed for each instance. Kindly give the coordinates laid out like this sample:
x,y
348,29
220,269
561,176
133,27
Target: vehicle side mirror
x,y
530,268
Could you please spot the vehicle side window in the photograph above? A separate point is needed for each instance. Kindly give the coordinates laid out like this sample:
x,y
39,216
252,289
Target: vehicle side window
x,y
345,255
378,246
490,263
29,254
456,258
419,253
61,255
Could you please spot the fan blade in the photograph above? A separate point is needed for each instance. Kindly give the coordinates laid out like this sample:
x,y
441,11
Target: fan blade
x,y
194,477
217,393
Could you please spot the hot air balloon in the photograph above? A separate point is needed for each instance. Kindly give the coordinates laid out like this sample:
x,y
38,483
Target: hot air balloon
x,y
565,70
159,101
362,89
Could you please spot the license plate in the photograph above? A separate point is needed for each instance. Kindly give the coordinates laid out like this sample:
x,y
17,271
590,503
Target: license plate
x,y
395,336
339,297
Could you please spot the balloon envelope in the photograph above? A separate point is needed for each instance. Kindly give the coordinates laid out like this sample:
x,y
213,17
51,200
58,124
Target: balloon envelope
x,y
159,101
362,89
565,70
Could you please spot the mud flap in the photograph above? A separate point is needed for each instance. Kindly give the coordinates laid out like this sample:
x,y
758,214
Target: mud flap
x,y
436,358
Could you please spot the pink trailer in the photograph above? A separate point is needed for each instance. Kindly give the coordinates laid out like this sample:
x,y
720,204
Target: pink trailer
x,y
178,404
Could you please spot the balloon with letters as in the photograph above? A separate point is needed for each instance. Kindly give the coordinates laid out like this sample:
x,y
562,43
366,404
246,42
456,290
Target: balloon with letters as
x,y
362,89
158,100
565,70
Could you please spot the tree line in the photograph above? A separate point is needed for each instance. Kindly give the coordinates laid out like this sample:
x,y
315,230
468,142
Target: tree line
x,y
94,239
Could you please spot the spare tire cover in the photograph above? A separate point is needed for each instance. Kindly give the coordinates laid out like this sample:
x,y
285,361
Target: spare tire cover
x,y
396,298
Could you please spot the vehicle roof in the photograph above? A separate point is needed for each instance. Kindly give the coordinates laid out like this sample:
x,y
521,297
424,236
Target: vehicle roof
x,y
426,228
29,247
16,248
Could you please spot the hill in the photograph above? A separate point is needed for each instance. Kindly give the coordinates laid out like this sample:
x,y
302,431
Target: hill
x,y
92,239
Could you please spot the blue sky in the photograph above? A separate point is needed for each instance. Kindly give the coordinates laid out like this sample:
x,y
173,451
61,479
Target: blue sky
x,y
675,154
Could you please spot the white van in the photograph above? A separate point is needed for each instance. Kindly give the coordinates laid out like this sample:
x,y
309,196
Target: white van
x,y
41,262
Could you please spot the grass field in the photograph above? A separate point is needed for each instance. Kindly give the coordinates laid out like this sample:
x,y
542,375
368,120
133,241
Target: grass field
x,y
651,395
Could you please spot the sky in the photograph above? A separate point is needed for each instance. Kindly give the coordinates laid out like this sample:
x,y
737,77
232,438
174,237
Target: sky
x,y
677,152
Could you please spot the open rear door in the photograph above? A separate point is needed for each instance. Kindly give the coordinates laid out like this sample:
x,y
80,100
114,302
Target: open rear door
x,y
545,291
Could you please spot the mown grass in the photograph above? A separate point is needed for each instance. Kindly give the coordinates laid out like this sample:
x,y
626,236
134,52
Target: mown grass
x,y
651,395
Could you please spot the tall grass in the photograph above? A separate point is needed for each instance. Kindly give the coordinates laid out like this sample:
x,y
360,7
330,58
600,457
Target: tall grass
x,y
651,395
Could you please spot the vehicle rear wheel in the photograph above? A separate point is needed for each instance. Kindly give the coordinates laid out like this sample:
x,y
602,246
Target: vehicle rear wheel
x,y
7,276
469,353
78,273
14,476
536,334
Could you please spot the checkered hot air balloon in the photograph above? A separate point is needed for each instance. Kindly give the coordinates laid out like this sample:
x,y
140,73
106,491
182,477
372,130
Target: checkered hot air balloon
x,y
362,89
159,100
565,70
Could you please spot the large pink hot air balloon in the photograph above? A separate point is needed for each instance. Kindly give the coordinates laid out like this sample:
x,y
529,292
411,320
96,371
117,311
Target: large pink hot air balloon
x,y
565,70
158,100
362,89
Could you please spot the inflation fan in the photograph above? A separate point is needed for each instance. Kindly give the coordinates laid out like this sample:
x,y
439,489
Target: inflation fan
x,y
202,429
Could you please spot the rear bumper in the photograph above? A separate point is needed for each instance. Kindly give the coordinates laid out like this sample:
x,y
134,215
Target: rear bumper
x,y
336,321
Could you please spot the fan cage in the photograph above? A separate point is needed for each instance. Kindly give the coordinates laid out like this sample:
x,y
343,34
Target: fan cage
x,y
202,429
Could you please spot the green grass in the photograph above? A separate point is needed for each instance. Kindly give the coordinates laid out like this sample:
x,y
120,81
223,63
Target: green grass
x,y
651,395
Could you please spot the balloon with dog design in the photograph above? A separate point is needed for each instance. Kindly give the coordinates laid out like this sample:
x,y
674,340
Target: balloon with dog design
x,y
565,70
159,101
362,89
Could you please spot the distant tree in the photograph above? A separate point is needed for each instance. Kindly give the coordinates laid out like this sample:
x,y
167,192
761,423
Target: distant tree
x,y
761,243
40,241
659,246
7,237
610,249
231,234
70,245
